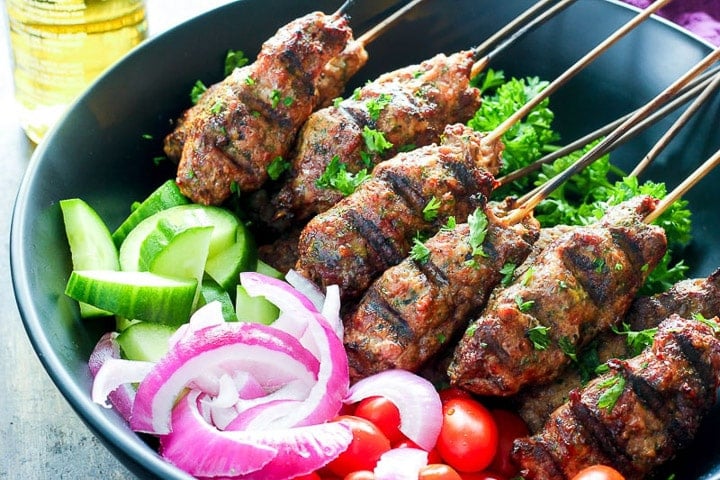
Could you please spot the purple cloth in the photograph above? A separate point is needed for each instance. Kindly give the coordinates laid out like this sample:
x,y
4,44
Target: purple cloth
x,y
701,17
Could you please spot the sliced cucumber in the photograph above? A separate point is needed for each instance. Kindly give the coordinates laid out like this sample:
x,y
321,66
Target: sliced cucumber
x,y
211,291
138,295
224,225
121,323
145,341
91,245
166,196
268,270
254,309
241,256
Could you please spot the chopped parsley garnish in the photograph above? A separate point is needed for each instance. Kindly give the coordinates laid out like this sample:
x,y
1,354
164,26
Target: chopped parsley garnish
x,y
249,80
707,321
524,305
430,212
539,337
638,340
450,224
275,98
234,59
568,348
337,102
356,93
375,141
277,167
159,159
336,176
478,223
197,90
614,387
507,271
419,252
287,101
377,105
527,276
147,136
216,107
234,188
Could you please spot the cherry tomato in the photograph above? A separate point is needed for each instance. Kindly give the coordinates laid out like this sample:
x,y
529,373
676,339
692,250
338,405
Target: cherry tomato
x,y
367,445
453,392
309,476
510,426
384,414
433,455
598,472
360,475
469,436
438,471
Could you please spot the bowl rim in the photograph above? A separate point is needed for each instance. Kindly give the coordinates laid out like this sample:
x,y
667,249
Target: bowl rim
x,y
135,455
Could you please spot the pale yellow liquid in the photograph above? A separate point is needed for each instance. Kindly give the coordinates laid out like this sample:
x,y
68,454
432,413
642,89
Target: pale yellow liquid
x,y
59,47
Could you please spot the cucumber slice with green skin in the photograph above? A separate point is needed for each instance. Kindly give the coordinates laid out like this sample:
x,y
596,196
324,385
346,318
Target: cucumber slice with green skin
x,y
225,267
211,291
145,341
224,225
91,245
179,254
268,270
254,309
166,196
121,323
139,295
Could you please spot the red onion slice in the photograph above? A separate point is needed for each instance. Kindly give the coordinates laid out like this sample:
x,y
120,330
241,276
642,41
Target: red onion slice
x,y
270,454
273,357
400,464
415,397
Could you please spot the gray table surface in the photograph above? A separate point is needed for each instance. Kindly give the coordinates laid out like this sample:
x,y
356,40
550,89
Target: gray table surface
x,y
41,437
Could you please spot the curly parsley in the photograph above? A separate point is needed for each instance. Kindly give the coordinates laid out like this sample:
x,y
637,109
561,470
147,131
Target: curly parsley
x,y
614,386
336,176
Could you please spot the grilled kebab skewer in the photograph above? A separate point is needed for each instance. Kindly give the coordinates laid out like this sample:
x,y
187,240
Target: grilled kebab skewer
x,y
686,298
417,307
637,415
577,288
373,229
409,107
240,125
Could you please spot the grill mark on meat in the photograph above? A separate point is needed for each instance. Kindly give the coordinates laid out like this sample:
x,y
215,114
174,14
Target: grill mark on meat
x,y
700,368
405,188
598,434
433,273
464,175
370,231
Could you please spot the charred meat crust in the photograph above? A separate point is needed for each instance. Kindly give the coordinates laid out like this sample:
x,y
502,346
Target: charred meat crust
x,y
241,124
580,286
666,391
416,307
685,298
417,102
373,229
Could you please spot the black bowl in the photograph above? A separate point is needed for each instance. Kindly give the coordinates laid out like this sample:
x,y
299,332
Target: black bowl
x,y
100,151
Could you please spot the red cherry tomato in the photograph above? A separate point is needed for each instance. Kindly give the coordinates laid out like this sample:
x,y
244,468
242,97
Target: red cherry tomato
x,y
469,436
453,392
510,426
438,471
360,475
598,472
367,445
384,414
433,455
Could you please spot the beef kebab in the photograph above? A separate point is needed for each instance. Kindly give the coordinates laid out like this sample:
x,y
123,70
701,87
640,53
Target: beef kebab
x,y
240,125
403,109
686,299
578,287
638,414
372,229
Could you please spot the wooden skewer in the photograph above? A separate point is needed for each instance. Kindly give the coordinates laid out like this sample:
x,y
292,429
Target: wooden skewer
x,y
501,129
686,185
342,10
692,90
515,29
677,126
590,156
367,37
